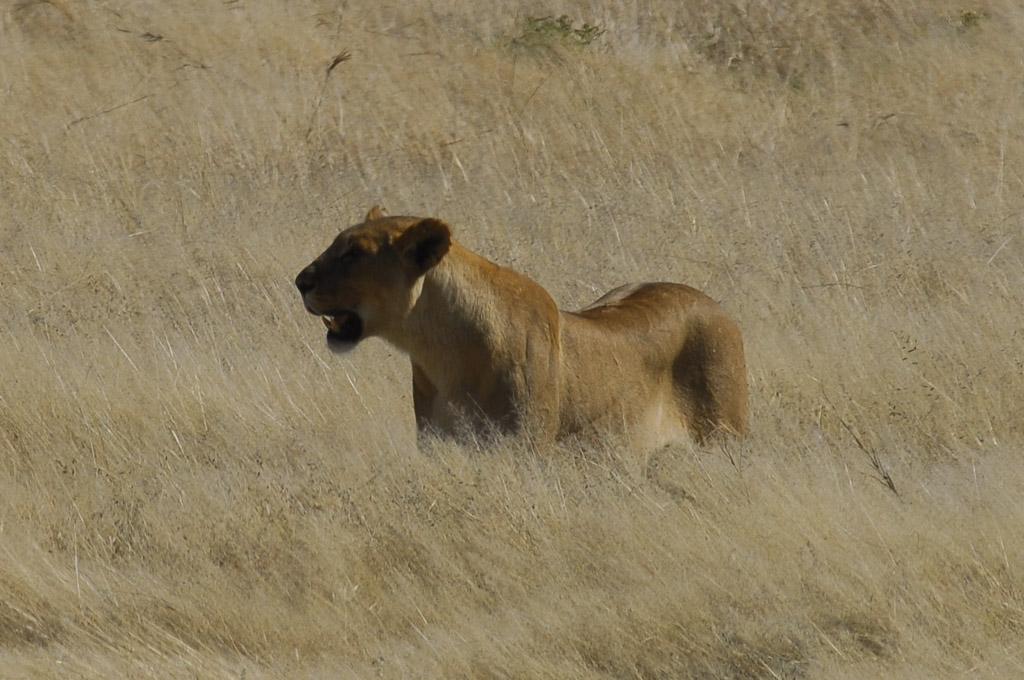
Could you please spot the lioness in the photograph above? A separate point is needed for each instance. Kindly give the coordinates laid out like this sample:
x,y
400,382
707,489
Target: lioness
x,y
490,350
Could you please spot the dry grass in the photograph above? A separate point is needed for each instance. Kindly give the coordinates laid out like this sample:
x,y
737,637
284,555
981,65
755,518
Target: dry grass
x,y
190,486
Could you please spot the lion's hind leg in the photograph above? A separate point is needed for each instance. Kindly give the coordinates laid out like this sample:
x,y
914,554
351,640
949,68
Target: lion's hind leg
x,y
710,379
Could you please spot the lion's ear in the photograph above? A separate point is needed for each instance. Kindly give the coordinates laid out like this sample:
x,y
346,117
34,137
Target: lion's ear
x,y
424,244
376,212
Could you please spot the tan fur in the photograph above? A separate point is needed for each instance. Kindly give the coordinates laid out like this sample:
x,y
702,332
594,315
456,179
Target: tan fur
x,y
491,351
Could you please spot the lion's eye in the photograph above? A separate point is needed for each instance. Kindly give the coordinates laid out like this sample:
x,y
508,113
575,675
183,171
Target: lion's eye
x,y
351,255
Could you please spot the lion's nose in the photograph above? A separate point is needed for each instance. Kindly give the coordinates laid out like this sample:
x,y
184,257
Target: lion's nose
x,y
305,281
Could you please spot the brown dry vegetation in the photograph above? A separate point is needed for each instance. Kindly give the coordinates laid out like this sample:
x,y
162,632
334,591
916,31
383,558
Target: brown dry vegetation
x,y
191,486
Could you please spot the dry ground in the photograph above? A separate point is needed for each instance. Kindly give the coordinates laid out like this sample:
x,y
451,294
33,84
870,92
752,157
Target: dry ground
x,y
191,486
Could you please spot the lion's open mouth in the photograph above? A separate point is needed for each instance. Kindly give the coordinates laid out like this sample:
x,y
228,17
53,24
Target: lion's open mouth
x,y
345,327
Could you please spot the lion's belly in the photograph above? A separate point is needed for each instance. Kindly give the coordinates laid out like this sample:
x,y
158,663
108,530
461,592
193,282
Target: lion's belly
x,y
646,415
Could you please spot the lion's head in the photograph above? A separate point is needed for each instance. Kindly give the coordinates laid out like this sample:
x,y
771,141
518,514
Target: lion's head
x,y
367,281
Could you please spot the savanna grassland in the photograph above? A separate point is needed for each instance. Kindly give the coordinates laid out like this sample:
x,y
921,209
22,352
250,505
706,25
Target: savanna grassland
x,y
192,486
